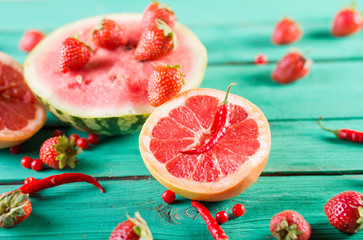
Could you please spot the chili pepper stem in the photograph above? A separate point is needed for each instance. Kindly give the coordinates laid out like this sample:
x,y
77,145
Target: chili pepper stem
x,y
225,101
336,132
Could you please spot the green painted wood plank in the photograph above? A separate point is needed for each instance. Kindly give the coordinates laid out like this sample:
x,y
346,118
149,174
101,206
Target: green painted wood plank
x,y
230,12
297,147
331,89
79,211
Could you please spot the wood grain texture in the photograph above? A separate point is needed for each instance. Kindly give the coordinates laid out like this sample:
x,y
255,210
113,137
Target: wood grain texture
x,y
80,211
298,147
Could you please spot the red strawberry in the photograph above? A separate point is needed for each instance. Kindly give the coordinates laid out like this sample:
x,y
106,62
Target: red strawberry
x,y
30,39
15,207
286,32
346,22
74,54
290,68
160,11
345,212
157,41
289,225
165,82
58,152
108,34
132,229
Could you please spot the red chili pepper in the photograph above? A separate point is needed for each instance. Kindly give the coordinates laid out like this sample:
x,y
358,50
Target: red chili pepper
x,y
218,128
56,180
345,134
212,225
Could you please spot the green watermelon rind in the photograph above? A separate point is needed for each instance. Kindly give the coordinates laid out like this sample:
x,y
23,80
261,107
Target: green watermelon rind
x,y
111,125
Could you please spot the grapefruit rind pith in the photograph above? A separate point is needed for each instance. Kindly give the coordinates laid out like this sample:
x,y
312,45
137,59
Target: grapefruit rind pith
x,y
224,188
107,121
9,138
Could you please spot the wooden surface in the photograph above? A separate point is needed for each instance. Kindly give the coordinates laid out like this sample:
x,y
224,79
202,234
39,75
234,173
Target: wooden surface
x,y
306,166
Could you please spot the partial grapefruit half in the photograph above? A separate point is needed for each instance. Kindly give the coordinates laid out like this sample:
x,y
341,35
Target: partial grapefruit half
x,y
21,115
184,122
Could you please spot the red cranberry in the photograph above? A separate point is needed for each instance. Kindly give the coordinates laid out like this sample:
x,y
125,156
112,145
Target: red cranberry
x,y
26,162
261,59
93,138
15,149
82,143
222,217
37,165
238,210
168,196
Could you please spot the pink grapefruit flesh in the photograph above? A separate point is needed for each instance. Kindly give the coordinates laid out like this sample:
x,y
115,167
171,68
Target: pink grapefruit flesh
x,y
184,123
21,115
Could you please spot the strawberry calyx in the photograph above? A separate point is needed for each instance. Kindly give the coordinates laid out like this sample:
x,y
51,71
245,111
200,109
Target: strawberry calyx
x,y
360,219
140,228
76,36
286,232
11,207
99,26
161,25
67,152
177,68
163,6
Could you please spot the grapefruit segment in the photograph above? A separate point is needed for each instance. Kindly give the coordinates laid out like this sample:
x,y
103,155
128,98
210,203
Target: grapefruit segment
x,y
184,122
21,116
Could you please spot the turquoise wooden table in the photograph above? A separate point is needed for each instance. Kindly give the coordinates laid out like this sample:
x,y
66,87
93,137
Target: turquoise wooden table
x,y
306,167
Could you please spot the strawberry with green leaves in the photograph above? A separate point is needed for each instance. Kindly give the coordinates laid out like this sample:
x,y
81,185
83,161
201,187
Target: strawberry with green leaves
x,y
289,225
345,212
165,82
15,208
73,55
156,41
132,229
58,152
160,11
108,34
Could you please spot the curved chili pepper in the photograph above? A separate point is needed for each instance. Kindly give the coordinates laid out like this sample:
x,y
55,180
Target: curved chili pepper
x,y
344,134
218,128
56,180
212,225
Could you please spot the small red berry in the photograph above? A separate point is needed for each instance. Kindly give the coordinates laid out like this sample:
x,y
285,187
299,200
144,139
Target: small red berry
x,y
30,39
222,217
29,180
56,133
261,59
15,149
37,165
168,196
26,162
238,210
82,143
75,136
93,138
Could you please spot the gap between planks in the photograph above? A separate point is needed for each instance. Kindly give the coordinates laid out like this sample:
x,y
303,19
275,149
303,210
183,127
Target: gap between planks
x,y
267,174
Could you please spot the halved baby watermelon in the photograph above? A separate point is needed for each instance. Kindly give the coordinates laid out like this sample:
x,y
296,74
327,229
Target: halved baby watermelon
x,y
109,94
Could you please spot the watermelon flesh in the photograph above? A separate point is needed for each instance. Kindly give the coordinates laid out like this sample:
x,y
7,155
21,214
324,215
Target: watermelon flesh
x,y
112,84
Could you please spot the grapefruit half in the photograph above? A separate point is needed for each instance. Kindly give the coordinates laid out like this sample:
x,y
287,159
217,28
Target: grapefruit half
x,y
225,171
109,94
21,115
